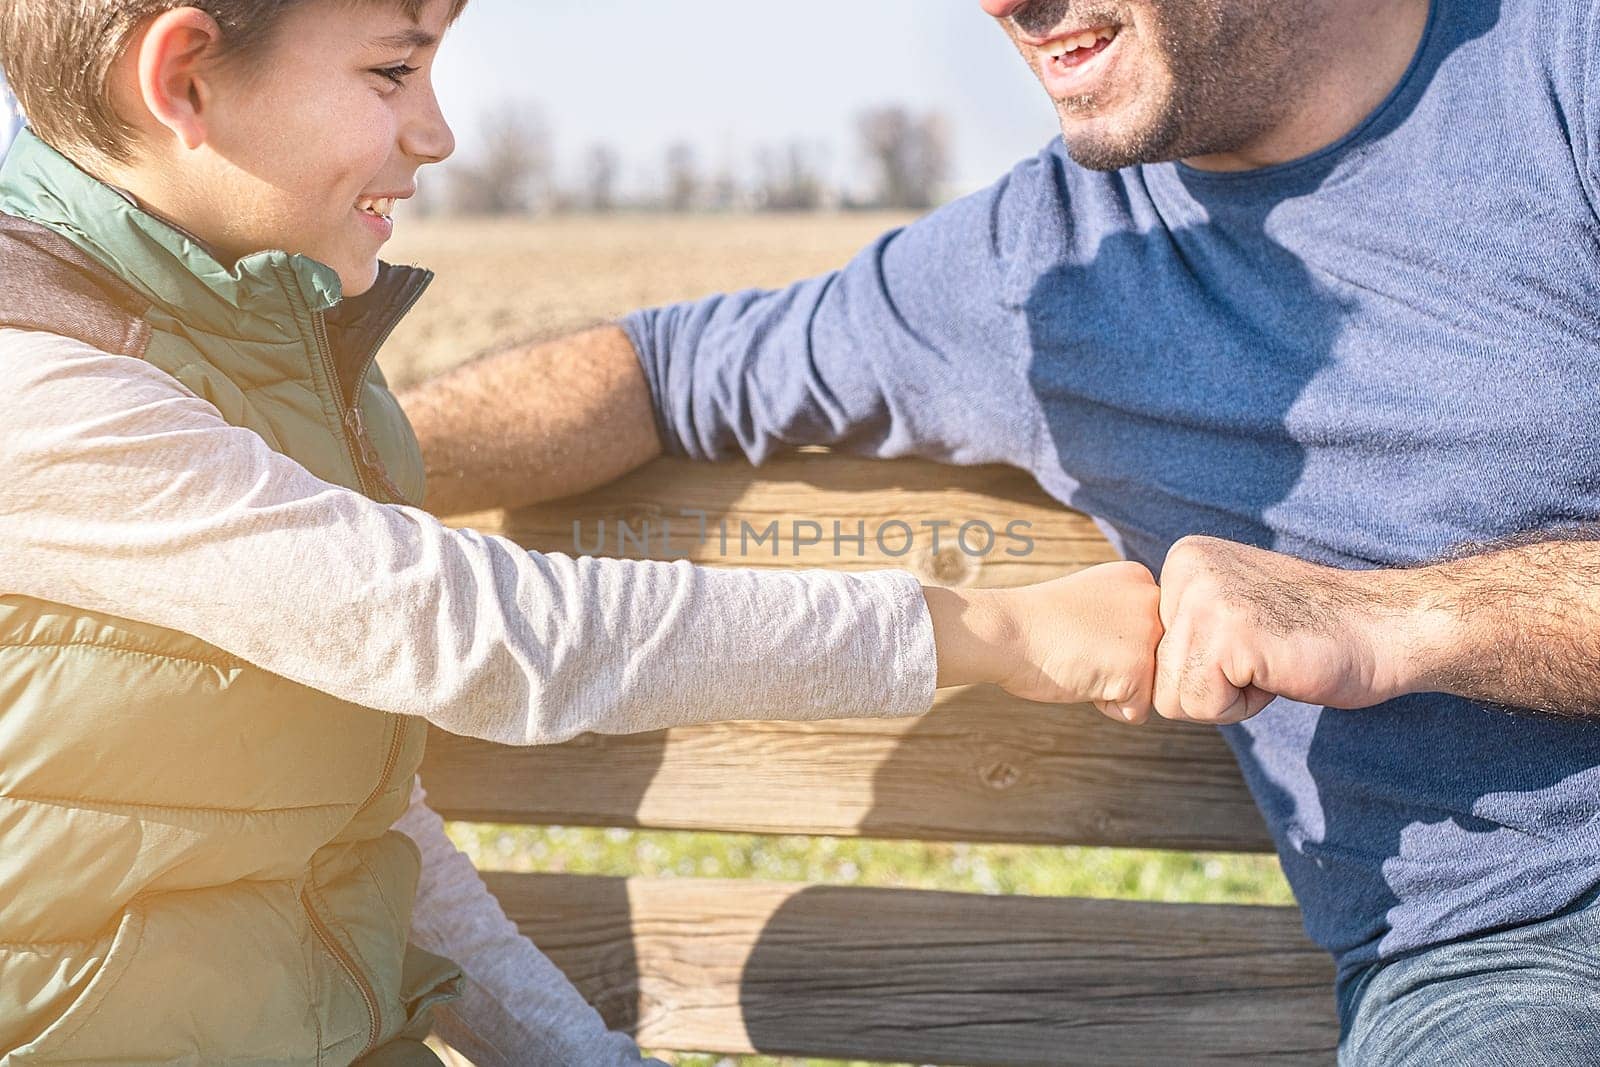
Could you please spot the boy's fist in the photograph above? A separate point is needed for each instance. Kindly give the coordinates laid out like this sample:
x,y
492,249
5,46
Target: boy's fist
x,y
1091,637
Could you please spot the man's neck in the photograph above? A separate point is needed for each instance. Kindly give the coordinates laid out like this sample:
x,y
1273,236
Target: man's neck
x,y
1365,51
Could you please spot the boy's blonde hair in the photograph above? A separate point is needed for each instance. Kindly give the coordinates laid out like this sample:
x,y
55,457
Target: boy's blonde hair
x,y
57,55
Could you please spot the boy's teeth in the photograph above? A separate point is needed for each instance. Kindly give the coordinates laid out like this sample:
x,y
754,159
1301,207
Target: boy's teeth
x,y
382,206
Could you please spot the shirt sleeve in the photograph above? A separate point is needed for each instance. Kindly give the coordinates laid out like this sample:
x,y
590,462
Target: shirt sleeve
x,y
1582,56
916,347
516,1006
126,494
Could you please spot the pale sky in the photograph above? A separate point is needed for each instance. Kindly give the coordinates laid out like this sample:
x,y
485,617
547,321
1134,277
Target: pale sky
x,y
731,75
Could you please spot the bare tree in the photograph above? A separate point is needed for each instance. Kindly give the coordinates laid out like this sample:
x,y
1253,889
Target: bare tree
x,y
600,178
512,172
683,177
726,192
909,154
791,178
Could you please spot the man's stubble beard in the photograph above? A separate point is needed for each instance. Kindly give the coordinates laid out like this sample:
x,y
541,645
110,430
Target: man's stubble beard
x,y
1231,77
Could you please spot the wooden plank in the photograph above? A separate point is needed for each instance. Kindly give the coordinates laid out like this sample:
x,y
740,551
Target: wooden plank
x,y
940,978
981,767
869,497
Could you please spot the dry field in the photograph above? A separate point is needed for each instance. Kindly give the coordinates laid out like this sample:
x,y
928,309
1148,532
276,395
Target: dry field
x,y
501,281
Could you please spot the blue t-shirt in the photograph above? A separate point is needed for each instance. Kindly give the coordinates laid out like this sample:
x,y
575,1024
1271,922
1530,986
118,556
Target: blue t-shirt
x,y
1364,358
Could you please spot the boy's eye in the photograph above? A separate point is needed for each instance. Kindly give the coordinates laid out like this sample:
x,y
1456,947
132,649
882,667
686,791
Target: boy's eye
x,y
397,73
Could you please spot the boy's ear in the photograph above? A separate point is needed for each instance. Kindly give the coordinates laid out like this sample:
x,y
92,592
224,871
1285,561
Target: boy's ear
x,y
173,63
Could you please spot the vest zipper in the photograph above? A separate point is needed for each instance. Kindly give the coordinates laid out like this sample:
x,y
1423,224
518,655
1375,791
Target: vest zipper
x,y
368,466
367,362
395,744
347,423
378,342
349,967
362,453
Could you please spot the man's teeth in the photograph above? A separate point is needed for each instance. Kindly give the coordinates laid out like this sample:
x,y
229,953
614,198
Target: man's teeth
x,y
1087,39
382,206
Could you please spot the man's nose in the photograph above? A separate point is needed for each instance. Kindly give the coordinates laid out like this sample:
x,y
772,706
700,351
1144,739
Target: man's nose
x,y
1002,9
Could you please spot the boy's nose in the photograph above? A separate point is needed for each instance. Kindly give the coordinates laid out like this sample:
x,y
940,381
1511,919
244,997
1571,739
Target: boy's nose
x,y
428,136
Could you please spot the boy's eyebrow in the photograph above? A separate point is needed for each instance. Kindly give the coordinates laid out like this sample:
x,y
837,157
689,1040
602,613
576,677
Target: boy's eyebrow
x,y
412,38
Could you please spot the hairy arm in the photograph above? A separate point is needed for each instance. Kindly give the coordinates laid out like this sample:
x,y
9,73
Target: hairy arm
x,y
1515,622
1518,624
534,423
911,349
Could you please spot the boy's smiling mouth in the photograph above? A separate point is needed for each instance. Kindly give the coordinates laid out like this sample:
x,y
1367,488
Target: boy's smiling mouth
x,y
376,213
381,206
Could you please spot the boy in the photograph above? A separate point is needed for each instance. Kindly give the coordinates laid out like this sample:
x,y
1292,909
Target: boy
x,y
227,628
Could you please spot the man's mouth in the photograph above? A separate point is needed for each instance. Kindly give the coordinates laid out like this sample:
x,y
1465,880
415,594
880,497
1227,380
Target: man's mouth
x,y
1075,49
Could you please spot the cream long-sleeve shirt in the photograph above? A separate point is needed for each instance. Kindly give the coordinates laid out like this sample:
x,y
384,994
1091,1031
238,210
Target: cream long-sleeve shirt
x,y
127,494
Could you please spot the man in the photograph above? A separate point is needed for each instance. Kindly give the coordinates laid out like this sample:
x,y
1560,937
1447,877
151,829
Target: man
x,y
1303,309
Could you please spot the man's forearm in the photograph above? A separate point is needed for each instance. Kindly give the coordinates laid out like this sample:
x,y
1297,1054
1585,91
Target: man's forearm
x,y
1515,622
1518,624
534,423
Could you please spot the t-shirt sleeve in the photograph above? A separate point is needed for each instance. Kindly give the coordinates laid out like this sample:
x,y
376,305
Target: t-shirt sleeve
x,y
915,348
1578,54
516,1007
128,495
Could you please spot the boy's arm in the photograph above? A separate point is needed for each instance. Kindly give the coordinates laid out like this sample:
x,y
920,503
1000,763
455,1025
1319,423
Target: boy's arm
x,y
126,494
516,1006
915,348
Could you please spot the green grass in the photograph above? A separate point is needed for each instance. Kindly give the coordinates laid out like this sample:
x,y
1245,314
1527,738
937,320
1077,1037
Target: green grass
x,y
693,1059
1127,874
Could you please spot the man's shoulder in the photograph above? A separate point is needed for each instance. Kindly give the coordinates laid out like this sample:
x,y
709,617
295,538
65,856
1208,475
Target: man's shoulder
x,y
1049,207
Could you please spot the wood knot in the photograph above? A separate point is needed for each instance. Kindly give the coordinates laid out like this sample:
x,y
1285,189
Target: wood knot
x,y
950,566
638,516
1000,776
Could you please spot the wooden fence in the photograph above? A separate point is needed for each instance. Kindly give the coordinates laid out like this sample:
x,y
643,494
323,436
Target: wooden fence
x,y
889,974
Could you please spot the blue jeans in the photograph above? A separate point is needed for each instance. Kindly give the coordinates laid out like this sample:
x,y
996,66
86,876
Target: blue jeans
x,y
1523,997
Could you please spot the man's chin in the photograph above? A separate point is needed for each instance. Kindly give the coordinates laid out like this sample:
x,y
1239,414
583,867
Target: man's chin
x,y
1107,146
1097,153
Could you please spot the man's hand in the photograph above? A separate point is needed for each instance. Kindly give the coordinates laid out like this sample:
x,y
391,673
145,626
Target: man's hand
x,y
1244,625
1088,637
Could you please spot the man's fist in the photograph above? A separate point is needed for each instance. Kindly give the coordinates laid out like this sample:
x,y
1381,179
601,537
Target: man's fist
x,y
1244,625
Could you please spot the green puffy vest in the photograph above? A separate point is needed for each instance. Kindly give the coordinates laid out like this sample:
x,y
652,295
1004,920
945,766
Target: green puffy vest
x,y
196,860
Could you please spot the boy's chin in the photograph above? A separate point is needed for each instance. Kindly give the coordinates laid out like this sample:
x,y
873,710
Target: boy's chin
x,y
355,280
